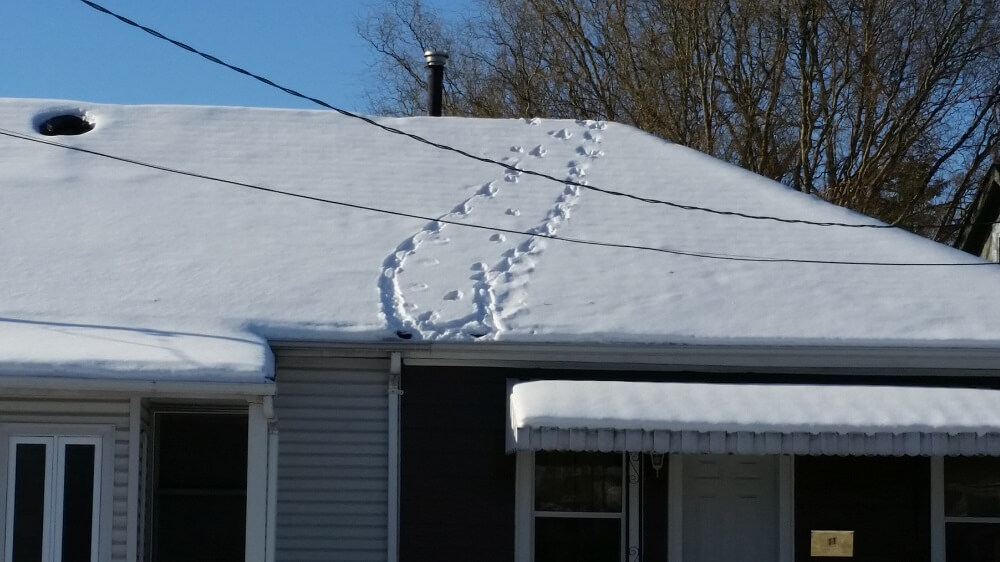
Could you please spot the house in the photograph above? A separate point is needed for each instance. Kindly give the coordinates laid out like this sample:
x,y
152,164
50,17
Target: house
x,y
981,235
248,334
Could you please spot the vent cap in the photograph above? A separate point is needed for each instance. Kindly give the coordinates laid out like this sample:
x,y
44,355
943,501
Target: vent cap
x,y
65,124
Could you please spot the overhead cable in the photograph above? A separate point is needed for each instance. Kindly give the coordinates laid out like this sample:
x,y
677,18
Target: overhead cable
x,y
466,154
442,220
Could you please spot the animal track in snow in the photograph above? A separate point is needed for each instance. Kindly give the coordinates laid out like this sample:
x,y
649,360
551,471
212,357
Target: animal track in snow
x,y
395,309
512,174
584,150
508,286
496,293
577,170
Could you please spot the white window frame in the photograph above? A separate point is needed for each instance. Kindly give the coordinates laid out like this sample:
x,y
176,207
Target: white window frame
x,y
55,437
526,513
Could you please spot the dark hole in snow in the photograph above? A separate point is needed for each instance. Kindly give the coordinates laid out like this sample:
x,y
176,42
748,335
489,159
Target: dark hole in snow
x,y
404,334
66,124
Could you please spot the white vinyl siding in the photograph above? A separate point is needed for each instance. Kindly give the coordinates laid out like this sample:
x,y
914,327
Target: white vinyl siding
x,y
86,411
332,459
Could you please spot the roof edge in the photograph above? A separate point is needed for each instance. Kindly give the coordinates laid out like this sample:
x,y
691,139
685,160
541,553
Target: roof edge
x,y
985,211
901,360
163,388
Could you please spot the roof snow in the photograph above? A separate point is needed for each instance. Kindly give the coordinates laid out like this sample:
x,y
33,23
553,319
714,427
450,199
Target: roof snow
x,y
113,269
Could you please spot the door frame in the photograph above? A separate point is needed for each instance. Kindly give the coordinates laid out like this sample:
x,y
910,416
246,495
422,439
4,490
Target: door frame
x,y
261,470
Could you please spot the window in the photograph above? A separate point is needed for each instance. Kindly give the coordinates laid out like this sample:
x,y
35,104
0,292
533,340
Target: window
x,y
579,507
53,499
972,508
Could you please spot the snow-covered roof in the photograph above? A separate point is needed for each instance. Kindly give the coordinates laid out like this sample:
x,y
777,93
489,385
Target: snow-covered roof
x,y
828,419
112,268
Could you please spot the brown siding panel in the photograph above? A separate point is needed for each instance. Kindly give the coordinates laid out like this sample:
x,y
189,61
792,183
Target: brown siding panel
x,y
457,493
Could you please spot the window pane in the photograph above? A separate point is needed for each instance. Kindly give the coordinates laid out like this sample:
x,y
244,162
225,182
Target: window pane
x,y
567,481
564,539
972,542
78,503
29,502
972,487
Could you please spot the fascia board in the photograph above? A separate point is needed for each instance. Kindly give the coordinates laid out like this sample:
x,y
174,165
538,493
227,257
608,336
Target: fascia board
x,y
931,360
13,385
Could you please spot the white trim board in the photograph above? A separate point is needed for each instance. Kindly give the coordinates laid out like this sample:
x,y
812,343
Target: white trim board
x,y
44,385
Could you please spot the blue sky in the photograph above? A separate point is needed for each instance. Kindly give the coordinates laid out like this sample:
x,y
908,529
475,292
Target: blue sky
x,y
67,50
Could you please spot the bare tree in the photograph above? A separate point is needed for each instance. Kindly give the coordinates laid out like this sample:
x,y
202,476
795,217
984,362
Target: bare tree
x,y
890,107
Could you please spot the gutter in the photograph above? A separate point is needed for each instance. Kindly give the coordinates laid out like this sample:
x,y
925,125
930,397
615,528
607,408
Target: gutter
x,y
934,358
151,388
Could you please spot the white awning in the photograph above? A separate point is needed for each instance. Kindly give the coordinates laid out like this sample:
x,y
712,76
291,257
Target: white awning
x,y
657,417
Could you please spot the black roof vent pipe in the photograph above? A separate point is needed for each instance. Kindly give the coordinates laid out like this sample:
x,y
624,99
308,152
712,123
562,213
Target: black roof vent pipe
x,y
435,81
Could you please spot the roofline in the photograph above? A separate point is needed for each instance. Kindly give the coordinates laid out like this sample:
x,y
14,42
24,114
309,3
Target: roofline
x,y
797,359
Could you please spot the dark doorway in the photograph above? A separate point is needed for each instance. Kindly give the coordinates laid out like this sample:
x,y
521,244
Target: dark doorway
x,y
199,487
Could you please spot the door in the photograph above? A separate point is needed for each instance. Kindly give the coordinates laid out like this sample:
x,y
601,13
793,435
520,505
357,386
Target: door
x,y
199,487
53,499
730,508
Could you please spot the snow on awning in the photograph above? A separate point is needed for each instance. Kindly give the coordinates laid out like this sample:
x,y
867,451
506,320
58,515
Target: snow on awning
x,y
656,417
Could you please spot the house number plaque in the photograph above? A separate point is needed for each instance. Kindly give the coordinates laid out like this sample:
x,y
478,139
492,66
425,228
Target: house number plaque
x,y
832,543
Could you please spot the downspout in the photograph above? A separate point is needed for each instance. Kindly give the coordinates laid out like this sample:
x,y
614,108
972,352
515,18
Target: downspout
x,y
272,479
395,368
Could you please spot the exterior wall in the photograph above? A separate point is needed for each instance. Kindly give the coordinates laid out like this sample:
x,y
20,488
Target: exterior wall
x,y
457,475
457,482
884,500
655,509
332,500
84,410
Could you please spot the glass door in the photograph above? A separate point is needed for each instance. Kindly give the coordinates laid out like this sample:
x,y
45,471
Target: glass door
x,y
53,495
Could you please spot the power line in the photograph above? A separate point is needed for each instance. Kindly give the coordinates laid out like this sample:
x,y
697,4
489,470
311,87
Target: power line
x,y
461,152
705,255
